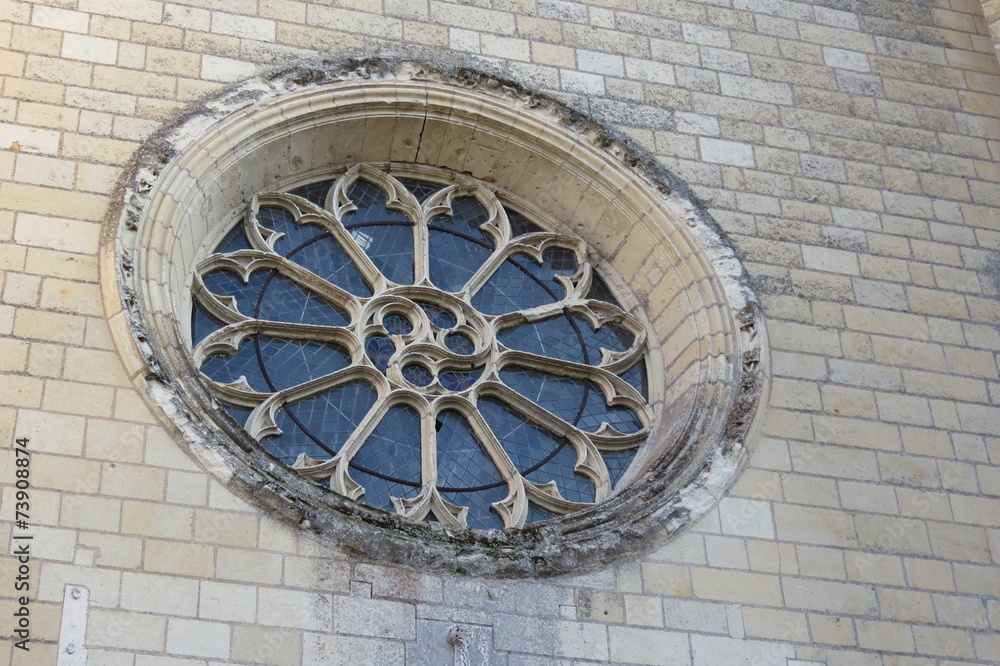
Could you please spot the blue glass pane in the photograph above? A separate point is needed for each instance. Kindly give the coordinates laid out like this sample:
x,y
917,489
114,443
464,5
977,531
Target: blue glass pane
x,y
390,247
572,486
418,375
453,259
600,291
510,289
554,337
393,451
379,491
521,284
610,337
467,216
239,414
567,337
370,200
636,377
555,261
283,221
438,316
315,193
481,514
617,462
228,283
420,189
203,323
597,412
462,462
527,445
283,300
519,224
466,475
289,363
318,426
227,369
459,344
537,454
397,325
379,350
575,401
535,514
235,240
563,396
459,380
324,257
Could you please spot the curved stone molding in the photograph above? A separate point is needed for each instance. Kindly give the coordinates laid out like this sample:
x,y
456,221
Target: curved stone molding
x,y
642,229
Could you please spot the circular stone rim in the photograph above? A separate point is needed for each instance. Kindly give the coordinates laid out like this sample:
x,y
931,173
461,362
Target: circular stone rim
x,y
675,490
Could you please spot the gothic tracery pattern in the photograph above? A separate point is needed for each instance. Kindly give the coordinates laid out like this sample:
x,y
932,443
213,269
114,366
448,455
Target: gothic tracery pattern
x,y
424,348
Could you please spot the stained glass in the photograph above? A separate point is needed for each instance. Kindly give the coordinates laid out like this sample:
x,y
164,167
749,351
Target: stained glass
x,y
418,375
519,224
390,247
463,465
467,216
575,401
324,257
480,503
387,234
437,315
388,463
371,202
535,513
273,364
239,414
397,325
459,380
599,290
202,322
538,455
283,221
420,189
466,475
568,337
233,241
618,462
316,193
319,425
227,369
273,297
459,344
454,259
636,377
317,421
379,351
512,288
288,363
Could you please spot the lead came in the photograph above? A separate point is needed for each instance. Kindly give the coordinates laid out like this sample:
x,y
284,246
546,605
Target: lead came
x,y
424,348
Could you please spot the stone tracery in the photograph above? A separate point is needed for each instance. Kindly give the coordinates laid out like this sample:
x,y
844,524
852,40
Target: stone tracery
x,y
462,338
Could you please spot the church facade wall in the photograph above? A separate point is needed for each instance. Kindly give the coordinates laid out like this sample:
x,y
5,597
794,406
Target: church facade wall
x,y
850,152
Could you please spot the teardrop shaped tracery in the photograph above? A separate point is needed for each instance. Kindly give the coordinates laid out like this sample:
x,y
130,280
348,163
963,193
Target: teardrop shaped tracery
x,y
423,347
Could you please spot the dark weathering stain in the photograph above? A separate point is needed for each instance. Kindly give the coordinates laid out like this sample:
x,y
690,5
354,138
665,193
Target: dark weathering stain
x,y
910,20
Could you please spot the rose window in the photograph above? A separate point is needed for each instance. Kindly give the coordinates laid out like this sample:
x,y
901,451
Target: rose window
x,y
419,345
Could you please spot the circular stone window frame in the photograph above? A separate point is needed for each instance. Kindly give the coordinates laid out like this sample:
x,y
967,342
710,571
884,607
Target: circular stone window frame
x,y
647,236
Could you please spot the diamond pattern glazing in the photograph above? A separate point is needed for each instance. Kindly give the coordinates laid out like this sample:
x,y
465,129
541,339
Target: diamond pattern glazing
x,y
291,324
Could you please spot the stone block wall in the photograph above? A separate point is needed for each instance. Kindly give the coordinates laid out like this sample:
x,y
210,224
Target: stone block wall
x,y
850,150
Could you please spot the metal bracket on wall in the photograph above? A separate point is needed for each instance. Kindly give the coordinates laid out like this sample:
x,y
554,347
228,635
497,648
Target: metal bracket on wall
x,y
73,627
